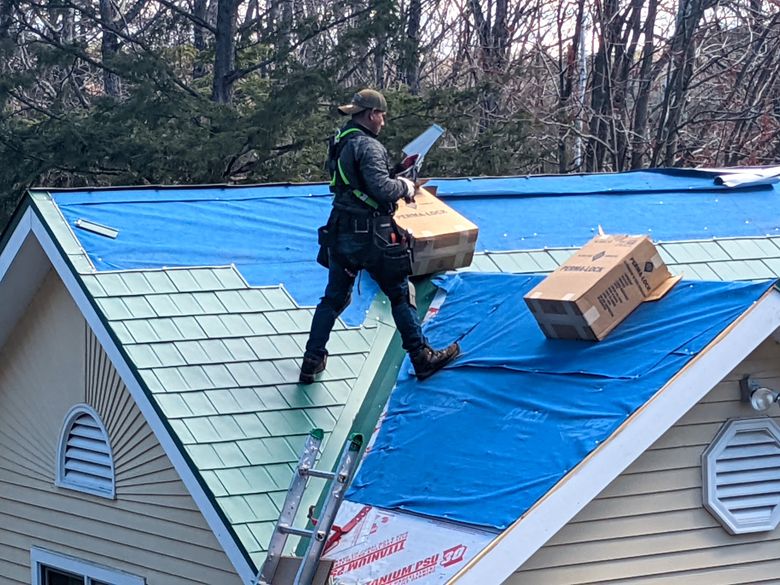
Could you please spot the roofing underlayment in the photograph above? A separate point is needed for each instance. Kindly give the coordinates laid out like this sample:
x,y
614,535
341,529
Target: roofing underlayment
x,y
534,407
269,232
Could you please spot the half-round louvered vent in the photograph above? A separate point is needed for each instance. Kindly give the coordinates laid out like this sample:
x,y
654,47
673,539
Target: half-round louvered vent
x,y
85,462
741,475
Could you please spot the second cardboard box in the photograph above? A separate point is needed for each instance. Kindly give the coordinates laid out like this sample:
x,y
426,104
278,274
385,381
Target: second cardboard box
x,y
598,287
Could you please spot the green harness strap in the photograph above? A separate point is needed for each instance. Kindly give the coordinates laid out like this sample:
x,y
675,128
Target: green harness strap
x,y
356,192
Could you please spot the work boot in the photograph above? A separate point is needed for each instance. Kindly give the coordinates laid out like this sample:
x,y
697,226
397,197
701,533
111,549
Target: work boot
x,y
310,367
428,361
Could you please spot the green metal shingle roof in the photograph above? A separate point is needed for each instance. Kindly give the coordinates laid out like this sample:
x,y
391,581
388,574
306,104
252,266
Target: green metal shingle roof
x,y
221,360
717,259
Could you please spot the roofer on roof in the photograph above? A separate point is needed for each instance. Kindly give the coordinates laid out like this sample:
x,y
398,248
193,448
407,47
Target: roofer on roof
x,y
362,235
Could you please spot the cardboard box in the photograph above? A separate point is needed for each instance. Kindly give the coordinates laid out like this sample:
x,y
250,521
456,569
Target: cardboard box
x,y
589,295
443,238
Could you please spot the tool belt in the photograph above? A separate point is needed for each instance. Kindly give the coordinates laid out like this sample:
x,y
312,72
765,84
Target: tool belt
x,y
390,245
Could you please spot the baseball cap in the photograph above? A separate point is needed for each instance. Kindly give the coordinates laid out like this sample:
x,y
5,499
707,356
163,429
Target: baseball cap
x,y
365,99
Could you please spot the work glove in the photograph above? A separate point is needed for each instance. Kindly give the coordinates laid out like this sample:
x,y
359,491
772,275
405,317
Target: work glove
x,y
410,189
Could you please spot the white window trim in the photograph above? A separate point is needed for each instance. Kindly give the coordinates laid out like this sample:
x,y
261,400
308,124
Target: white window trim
x,y
60,480
40,557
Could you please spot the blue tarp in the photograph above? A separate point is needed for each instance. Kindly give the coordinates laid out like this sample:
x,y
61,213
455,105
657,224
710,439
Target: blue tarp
x,y
533,407
269,232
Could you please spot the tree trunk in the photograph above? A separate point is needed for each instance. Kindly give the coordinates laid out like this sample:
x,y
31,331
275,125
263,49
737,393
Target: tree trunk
x,y
199,37
410,60
109,47
639,125
680,72
225,51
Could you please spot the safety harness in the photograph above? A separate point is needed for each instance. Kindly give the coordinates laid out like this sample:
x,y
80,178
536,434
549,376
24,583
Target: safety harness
x,y
338,178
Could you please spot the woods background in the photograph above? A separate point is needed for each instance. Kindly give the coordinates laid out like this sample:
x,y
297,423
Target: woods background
x,y
102,92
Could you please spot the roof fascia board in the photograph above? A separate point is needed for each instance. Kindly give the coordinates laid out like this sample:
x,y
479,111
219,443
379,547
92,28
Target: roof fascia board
x,y
215,521
507,553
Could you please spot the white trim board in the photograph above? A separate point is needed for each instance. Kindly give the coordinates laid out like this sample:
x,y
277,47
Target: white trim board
x,y
32,224
507,553
39,556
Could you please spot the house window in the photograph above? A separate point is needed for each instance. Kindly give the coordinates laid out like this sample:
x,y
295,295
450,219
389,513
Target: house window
x,y
741,476
85,461
49,568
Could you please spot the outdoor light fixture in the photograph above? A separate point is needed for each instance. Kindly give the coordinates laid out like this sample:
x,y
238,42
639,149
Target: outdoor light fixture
x,y
760,397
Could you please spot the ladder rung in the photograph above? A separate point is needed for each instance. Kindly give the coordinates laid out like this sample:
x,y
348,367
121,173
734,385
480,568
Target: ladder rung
x,y
296,531
322,474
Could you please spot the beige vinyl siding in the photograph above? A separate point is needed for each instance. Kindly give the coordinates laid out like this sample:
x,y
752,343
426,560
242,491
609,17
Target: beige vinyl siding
x,y
153,528
650,526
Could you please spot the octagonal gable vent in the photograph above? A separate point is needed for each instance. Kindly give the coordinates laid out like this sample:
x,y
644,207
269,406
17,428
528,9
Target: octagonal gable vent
x,y
741,476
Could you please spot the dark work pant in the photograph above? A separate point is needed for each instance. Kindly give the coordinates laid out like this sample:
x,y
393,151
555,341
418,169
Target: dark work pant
x,y
351,253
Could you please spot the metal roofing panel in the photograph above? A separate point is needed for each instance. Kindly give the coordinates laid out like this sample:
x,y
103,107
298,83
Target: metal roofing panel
x,y
192,351
749,249
224,401
260,479
113,284
482,263
114,308
92,282
164,306
282,322
271,397
206,279
251,424
233,301
219,376
227,428
203,456
239,350
184,281
143,356
701,271
214,351
228,277
263,508
137,283
159,281
167,354
236,325
278,298
234,481
202,430
139,308
742,270
230,454
694,252
209,302
187,328
255,299
195,378
174,407
212,481
773,264
266,373
199,404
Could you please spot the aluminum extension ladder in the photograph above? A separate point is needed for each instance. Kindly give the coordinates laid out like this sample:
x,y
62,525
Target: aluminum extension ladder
x,y
319,534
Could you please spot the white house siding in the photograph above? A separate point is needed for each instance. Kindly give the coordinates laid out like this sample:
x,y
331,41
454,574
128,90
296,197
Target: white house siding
x,y
650,527
153,528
